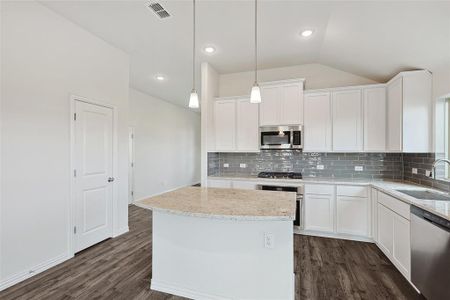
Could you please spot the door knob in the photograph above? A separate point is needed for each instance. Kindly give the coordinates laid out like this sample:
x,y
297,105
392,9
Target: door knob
x,y
110,179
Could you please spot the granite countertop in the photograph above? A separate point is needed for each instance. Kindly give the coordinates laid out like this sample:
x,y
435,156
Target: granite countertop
x,y
390,187
235,204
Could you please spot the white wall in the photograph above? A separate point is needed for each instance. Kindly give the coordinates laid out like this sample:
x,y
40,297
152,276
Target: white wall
x,y
45,58
166,145
317,76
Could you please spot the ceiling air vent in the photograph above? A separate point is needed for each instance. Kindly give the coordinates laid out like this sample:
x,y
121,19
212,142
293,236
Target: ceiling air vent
x,y
158,9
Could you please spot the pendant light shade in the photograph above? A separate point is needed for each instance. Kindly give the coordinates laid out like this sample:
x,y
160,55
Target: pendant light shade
x,y
255,95
193,99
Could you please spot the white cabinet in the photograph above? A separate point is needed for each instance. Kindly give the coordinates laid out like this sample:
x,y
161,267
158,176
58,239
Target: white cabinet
x,y
394,114
281,103
409,112
245,185
319,212
247,138
347,120
393,233
374,119
352,215
317,125
219,183
236,125
225,124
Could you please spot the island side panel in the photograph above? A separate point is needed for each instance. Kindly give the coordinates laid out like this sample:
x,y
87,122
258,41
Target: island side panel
x,y
211,258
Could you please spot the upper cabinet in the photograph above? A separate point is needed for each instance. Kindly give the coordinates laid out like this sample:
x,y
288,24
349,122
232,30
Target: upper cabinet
x,y
282,103
236,125
409,111
347,120
374,103
317,127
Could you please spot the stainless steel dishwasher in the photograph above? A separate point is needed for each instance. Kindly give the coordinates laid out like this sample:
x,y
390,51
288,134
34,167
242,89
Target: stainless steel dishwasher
x,y
430,254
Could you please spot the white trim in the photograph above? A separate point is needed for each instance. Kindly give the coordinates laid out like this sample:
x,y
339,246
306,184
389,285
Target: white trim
x,y
131,163
282,82
182,291
120,231
115,210
342,236
343,88
39,268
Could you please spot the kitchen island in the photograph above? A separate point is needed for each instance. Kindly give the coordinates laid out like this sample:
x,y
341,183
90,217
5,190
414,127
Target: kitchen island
x,y
213,243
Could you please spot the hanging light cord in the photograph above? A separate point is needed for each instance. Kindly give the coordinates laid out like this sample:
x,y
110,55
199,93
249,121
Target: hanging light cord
x,y
193,51
256,41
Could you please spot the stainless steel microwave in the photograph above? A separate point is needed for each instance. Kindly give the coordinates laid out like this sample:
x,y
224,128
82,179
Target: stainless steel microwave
x,y
281,137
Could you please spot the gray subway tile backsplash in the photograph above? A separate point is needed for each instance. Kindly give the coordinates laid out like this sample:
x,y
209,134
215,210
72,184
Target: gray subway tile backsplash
x,y
393,166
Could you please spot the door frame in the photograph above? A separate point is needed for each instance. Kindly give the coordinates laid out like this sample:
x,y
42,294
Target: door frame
x,y
131,163
71,208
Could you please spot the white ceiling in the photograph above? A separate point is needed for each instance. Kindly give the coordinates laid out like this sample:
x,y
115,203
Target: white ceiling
x,y
372,39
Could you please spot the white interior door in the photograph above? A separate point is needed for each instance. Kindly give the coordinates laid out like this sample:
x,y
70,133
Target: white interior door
x,y
93,156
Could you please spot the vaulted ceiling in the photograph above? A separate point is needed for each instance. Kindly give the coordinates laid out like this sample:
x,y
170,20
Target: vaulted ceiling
x,y
374,39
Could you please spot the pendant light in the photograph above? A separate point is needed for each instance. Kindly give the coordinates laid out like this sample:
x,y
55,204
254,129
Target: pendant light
x,y
255,96
193,99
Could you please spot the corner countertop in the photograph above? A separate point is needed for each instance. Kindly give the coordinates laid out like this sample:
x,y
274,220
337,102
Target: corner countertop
x,y
390,187
235,204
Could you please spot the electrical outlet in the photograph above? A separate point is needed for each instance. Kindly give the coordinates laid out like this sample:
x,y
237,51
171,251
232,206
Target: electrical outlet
x,y
359,168
243,166
320,167
269,240
428,173
414,170
225,165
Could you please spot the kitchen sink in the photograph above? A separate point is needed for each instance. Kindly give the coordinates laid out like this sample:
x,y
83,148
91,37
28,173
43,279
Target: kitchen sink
x,y
425,195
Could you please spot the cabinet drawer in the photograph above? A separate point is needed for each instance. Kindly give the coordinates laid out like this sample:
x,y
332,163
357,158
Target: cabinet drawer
x,y
352,191
319,189
395,205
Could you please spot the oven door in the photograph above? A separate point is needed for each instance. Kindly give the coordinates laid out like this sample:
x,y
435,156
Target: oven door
x,y
276,138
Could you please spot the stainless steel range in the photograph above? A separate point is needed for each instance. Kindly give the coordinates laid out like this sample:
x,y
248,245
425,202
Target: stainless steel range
x,y
283,187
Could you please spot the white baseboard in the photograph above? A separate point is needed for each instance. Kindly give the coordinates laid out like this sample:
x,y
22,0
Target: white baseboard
x,y
39,268
183,292
120,231
334,235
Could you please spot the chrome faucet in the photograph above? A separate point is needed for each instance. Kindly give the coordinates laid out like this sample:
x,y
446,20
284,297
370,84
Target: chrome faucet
x,y
436,162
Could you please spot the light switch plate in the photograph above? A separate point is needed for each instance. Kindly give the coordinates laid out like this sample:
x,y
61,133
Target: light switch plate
x,y
225,165
414,170
243,166
320,167
359,168
428,173
269,240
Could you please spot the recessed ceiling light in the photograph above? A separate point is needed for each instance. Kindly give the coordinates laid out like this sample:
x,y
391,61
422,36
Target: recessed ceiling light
x,y
160,77
209,49
307,33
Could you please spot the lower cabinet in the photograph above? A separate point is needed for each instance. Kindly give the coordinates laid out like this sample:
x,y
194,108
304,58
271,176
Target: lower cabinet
x,y
235,184
393,237
352,215
337,210
245,185
319,212
219,183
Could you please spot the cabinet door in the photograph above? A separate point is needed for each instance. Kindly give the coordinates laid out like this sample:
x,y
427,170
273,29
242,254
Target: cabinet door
x,y
225,124
269,109
317,127
374,203
352,215
245,185
292,104
385,229
375,119
347,120
402,245
247,126
319,212
394,115
219,183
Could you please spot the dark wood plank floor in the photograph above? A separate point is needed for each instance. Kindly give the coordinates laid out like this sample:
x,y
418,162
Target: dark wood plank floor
x,y
120,268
